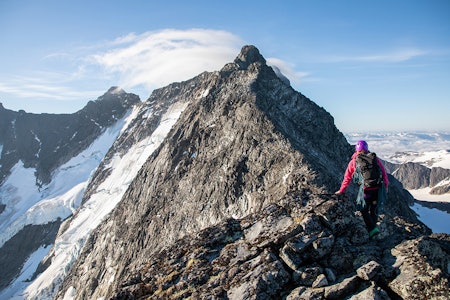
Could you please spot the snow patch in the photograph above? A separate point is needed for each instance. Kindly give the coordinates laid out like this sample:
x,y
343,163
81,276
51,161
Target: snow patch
x,y
25,274
27,204
204,94
70,293
116,90
424,195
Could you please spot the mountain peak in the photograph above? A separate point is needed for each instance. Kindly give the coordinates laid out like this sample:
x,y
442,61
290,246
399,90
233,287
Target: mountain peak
x,y
115,90
249,54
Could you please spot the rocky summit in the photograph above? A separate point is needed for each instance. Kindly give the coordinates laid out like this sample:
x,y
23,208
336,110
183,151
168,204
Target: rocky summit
x,y
237,203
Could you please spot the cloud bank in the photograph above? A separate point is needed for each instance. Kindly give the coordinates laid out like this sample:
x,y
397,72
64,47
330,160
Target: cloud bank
x,y
155,59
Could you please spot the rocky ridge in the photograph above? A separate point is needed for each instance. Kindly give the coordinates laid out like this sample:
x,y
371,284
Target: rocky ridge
x,y
301,249
235,204
46,141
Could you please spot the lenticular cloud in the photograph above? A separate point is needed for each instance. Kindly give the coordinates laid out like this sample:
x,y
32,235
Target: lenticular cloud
x,y
155,59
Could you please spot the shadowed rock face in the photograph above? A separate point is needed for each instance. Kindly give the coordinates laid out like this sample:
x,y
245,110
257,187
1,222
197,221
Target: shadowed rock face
x,y
416,176
235,204
46,141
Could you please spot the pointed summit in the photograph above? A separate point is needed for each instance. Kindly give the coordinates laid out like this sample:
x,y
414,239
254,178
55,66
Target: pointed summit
x,y
249,54
115,90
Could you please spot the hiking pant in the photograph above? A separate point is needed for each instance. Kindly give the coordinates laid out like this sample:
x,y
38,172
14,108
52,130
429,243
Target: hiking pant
x,y
369,211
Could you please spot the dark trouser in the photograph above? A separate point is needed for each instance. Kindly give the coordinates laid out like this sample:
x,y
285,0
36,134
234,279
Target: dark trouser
x,y
369,211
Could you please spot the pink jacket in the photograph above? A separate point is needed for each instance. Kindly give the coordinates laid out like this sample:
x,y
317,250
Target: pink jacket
x,y
348,175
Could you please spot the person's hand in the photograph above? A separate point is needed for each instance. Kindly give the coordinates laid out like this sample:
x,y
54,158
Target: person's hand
x,y
338,193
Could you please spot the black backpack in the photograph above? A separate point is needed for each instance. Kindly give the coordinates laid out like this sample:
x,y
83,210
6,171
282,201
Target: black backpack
x,y
367,170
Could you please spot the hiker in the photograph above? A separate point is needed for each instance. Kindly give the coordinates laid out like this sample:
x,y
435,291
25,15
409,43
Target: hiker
x,y
366,169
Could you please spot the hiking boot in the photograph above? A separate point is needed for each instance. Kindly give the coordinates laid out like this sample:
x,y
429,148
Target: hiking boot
x,y
374,232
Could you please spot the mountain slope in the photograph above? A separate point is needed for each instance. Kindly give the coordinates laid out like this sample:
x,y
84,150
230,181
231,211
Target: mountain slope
x,y
246,140
232,151
46,141
148,125
63,150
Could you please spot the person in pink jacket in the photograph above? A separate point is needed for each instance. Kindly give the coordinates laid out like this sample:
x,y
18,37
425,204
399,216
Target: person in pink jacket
x,y
369,210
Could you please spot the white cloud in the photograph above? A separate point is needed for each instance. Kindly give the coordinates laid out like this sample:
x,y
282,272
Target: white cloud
x,y
45,85
139,62
135,62
399,55
155,59
288,70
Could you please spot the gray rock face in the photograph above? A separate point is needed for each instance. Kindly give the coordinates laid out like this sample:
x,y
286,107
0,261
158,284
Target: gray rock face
x,y
413,176
416,176
235,203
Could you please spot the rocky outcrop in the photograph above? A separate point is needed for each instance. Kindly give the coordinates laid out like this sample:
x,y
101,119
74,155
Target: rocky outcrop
x,y
235,204
413,175
45,141
306,249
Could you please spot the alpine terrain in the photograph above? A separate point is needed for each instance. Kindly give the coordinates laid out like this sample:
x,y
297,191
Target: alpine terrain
x,y
45,160
221,187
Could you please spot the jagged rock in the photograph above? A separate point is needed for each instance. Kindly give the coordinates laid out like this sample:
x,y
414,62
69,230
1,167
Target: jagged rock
x,y
373,293
306,276
320,281
263,277
303,293
369,270
423,266
222,261
343,288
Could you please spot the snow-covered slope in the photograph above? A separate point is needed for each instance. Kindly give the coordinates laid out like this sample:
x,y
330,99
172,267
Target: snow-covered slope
x,y
27,204
109,193
63,197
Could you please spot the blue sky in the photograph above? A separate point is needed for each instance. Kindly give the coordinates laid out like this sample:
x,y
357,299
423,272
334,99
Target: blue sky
x,y
374,65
